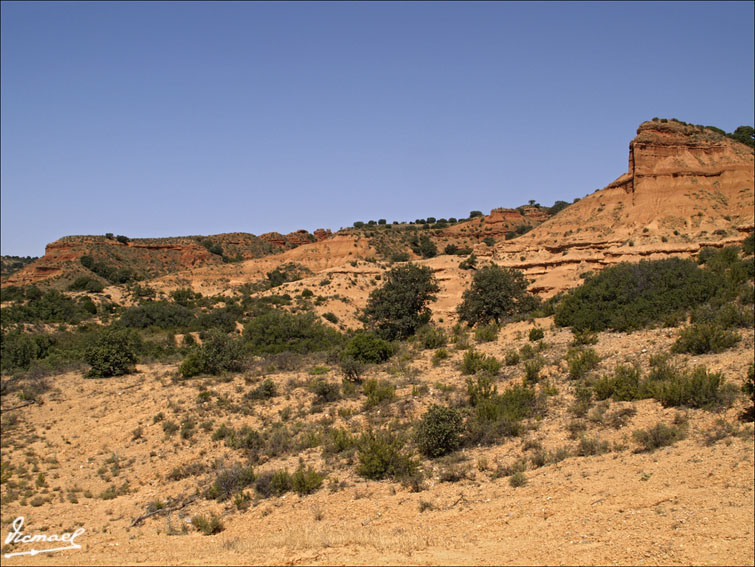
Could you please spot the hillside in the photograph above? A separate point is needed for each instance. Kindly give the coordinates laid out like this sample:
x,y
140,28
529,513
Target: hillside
x,y
146,258
319,399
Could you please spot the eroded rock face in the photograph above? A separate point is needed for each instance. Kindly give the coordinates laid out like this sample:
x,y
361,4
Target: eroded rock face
x,y
155,256
686,187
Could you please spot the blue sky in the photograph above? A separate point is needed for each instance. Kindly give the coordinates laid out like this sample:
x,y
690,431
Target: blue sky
x,y
167,119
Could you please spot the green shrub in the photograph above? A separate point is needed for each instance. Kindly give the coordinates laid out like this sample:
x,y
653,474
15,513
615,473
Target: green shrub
x,y
208,526
589,446
532,369
352,369
380,456
266,390
397,309
495,294
670,385
279,331
748,244
624,385
230,481
661,435
113,354
475,362
163,314
511,358
628,296
726,315
431,337
366,347
517,479
439,431
469,263
438,355
324,391
281,482
330,317
423,246
536,334
584,337
499,415
581,361
487,333
86,283
217,354
338,440
697,389
702,338
378,392
749,390
306,480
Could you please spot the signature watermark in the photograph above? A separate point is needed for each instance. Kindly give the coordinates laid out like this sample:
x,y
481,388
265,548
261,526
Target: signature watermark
x,y
16,535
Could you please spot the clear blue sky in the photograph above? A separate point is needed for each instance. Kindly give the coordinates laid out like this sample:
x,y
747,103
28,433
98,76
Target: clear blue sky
x,y
166,119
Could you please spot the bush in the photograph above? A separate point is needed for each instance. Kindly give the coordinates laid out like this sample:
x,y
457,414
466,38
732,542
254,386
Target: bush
x,y
324,391
487,333
431,337
423,246
696,389
623,386
702,338
495,294
352,369
113,354
748,244
380,456
475,362
86,283
366,347
279,331
511,358
306,480
218,353
749,390
470,263
670,385
229,481
439,431
628,296
536,334
532,369
659,436
266,390
397,309
581,361
378,392
499,415
208,526
163,314
330,317
280,482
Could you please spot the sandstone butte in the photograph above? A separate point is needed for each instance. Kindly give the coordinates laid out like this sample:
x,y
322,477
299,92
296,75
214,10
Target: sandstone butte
x,y
686,187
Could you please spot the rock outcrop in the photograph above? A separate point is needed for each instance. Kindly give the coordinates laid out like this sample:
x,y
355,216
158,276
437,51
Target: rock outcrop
x,y
686,187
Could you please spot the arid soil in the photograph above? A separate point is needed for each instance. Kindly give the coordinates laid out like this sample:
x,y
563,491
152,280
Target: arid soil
x,y
691,503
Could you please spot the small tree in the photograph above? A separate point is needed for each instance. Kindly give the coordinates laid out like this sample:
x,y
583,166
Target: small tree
x,y
396,310
495,294
439,432
113,354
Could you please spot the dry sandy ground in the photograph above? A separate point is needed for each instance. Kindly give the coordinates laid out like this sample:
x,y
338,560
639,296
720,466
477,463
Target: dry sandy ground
x,y
691,503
